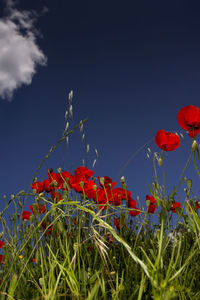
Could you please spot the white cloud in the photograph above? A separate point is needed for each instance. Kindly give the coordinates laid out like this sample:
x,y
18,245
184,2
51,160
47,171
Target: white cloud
x,y
19,52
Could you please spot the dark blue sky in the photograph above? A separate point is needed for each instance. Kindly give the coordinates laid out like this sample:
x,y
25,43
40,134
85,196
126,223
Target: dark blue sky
x,y
132,66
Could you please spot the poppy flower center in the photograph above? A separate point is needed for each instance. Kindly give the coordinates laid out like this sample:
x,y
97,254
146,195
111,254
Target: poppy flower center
x,y
193,126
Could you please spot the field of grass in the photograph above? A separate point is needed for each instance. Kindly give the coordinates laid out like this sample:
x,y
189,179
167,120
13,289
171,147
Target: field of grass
x,y
83,238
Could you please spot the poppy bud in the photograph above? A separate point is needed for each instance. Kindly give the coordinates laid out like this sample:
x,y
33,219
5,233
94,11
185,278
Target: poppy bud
x,y
20,204
160,162
59,170
41,281
81,184
102,180
94,187
122,180
194,146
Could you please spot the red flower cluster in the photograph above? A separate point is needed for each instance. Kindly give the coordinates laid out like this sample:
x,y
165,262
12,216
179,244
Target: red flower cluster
x,y
81,183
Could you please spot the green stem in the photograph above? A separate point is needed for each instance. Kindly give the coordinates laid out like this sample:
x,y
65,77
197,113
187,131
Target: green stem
x,y
195,164
183,172
163,174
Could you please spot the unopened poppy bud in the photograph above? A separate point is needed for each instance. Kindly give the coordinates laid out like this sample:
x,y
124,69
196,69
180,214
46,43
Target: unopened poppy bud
x,y
160,162
102,180
12,196
94,187
122,180
59,170
194,146
148,203
112,273
81,184
41,281
20,204
41,195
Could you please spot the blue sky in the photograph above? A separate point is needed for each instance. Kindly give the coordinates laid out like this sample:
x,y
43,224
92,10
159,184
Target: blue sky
x,y
132,66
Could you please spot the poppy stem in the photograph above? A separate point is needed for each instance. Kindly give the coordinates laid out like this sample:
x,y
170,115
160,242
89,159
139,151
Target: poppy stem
x,y
183,172
163,175
195,164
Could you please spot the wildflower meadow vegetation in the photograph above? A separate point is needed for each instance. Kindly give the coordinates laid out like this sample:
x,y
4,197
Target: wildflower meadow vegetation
x,y
84,238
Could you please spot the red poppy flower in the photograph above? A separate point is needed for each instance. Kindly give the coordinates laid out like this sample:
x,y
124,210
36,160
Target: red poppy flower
x,y
75,180
53,177
61,178
119,194
44,225
38,186
132,203
56,195
89,191
39,208
107,180
152,206
46,184
2,258
1,244
84,171
175,205
26,215
103,197
117,222
33,260
134,212
189,119
196,204
167,141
